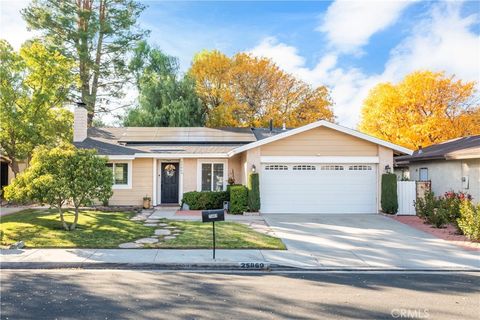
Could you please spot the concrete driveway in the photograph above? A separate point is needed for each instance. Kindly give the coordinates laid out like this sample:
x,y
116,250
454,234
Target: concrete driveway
x,y
362,241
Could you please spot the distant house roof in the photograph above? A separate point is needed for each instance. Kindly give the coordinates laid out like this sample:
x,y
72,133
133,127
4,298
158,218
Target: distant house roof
x,y
263,133
459,148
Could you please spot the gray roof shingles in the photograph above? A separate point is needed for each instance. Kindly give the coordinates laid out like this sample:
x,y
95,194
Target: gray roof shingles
x,y
465,146
196,140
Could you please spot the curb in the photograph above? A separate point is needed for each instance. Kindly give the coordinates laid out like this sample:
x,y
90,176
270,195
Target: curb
x,y
243,267
260,266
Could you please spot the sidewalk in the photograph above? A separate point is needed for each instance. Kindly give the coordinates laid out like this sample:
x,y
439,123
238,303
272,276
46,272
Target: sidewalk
x,y
195,258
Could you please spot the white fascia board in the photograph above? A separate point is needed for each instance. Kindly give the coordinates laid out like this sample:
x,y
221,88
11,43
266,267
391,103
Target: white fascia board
x,y
316,125
180,155
318,159
119,157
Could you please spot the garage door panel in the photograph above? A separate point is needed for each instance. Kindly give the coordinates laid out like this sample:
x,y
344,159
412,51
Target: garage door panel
x,y
319,191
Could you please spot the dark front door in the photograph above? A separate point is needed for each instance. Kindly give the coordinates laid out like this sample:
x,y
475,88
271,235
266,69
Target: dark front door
x,y
169,187
3,176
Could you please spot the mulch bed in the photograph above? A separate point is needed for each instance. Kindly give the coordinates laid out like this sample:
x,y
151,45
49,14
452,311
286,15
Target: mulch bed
x,y
449,233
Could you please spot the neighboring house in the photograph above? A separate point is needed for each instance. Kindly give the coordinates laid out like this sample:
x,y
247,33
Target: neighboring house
x,y
318,168
450,165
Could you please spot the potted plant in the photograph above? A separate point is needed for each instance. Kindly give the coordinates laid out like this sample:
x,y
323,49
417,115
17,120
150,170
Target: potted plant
x,y
146,202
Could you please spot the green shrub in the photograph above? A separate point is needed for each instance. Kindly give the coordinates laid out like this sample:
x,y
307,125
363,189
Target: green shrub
x,y
439,217
389,199
229,186
469,221
238,199
424,207
253,192
205,200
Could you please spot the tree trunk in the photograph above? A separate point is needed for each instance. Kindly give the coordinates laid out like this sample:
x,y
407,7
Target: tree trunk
x,y
14,166
65,226
74,224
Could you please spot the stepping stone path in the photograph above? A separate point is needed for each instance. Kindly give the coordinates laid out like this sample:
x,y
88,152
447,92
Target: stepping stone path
x,y
162,232
130,245
165,231
147,240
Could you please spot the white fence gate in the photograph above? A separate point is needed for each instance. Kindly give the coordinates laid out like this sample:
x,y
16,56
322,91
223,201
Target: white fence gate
x,y
406,191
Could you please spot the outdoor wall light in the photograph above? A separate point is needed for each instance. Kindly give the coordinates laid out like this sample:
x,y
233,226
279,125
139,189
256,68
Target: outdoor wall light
x,y
388,169
254,169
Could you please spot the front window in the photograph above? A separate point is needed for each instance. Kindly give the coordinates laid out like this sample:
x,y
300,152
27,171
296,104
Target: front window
x,y
423,174
120,173
212,176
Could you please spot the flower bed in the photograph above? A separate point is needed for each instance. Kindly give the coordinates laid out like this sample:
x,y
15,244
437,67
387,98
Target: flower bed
x,y
448,233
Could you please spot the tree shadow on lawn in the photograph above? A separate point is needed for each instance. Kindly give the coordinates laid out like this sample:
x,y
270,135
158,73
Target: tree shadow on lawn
x,y
95,229
150,295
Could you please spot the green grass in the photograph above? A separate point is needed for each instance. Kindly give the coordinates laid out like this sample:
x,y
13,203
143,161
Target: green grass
x,y
229,235
96,229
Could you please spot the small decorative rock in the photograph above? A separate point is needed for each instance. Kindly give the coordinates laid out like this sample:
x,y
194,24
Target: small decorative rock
x,y
162,232
169,237
130,245
151,221
163,224
150,224
17,245
170,227
147,240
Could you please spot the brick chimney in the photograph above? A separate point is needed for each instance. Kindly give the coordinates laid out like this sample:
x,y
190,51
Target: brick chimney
x,y
80,123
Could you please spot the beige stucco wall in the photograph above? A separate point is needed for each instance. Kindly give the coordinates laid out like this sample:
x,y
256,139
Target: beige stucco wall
x,y
249,158
142,184
235,168
320,142
189,175
447,175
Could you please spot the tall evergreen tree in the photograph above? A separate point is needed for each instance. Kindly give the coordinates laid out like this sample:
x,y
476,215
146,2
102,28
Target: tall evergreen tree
x,y
165,97
98,35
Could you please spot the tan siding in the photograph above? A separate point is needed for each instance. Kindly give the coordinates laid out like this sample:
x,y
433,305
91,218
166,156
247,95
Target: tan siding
x,y
320,142
142,179
189,175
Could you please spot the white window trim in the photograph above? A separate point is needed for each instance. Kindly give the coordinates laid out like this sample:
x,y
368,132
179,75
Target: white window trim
x,y
129,176
211,161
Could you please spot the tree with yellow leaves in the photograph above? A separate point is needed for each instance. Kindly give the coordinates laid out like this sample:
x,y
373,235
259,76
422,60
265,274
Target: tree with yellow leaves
x,y
424,108
249,91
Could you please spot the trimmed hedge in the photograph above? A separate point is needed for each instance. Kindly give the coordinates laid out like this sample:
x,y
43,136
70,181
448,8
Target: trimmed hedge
x,y
205,200
253,192
238,199
389,193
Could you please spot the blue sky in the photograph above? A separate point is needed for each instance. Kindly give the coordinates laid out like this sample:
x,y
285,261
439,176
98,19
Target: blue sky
x,y
347,46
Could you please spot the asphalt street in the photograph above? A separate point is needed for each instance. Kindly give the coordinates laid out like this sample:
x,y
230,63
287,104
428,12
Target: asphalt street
x,y
124,294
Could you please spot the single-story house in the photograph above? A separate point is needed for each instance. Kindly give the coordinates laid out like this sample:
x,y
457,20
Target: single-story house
x,y
453,165
317,168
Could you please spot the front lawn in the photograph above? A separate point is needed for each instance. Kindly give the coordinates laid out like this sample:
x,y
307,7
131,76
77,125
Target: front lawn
x,y
229,235
97,229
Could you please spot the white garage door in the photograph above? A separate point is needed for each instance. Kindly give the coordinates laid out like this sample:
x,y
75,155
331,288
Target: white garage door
x,y
318,188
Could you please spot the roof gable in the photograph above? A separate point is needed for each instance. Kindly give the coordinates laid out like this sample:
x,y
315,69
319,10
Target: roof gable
x,y
317,124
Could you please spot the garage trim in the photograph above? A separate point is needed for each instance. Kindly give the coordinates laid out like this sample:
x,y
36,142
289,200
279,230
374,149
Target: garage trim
x,y
318,159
